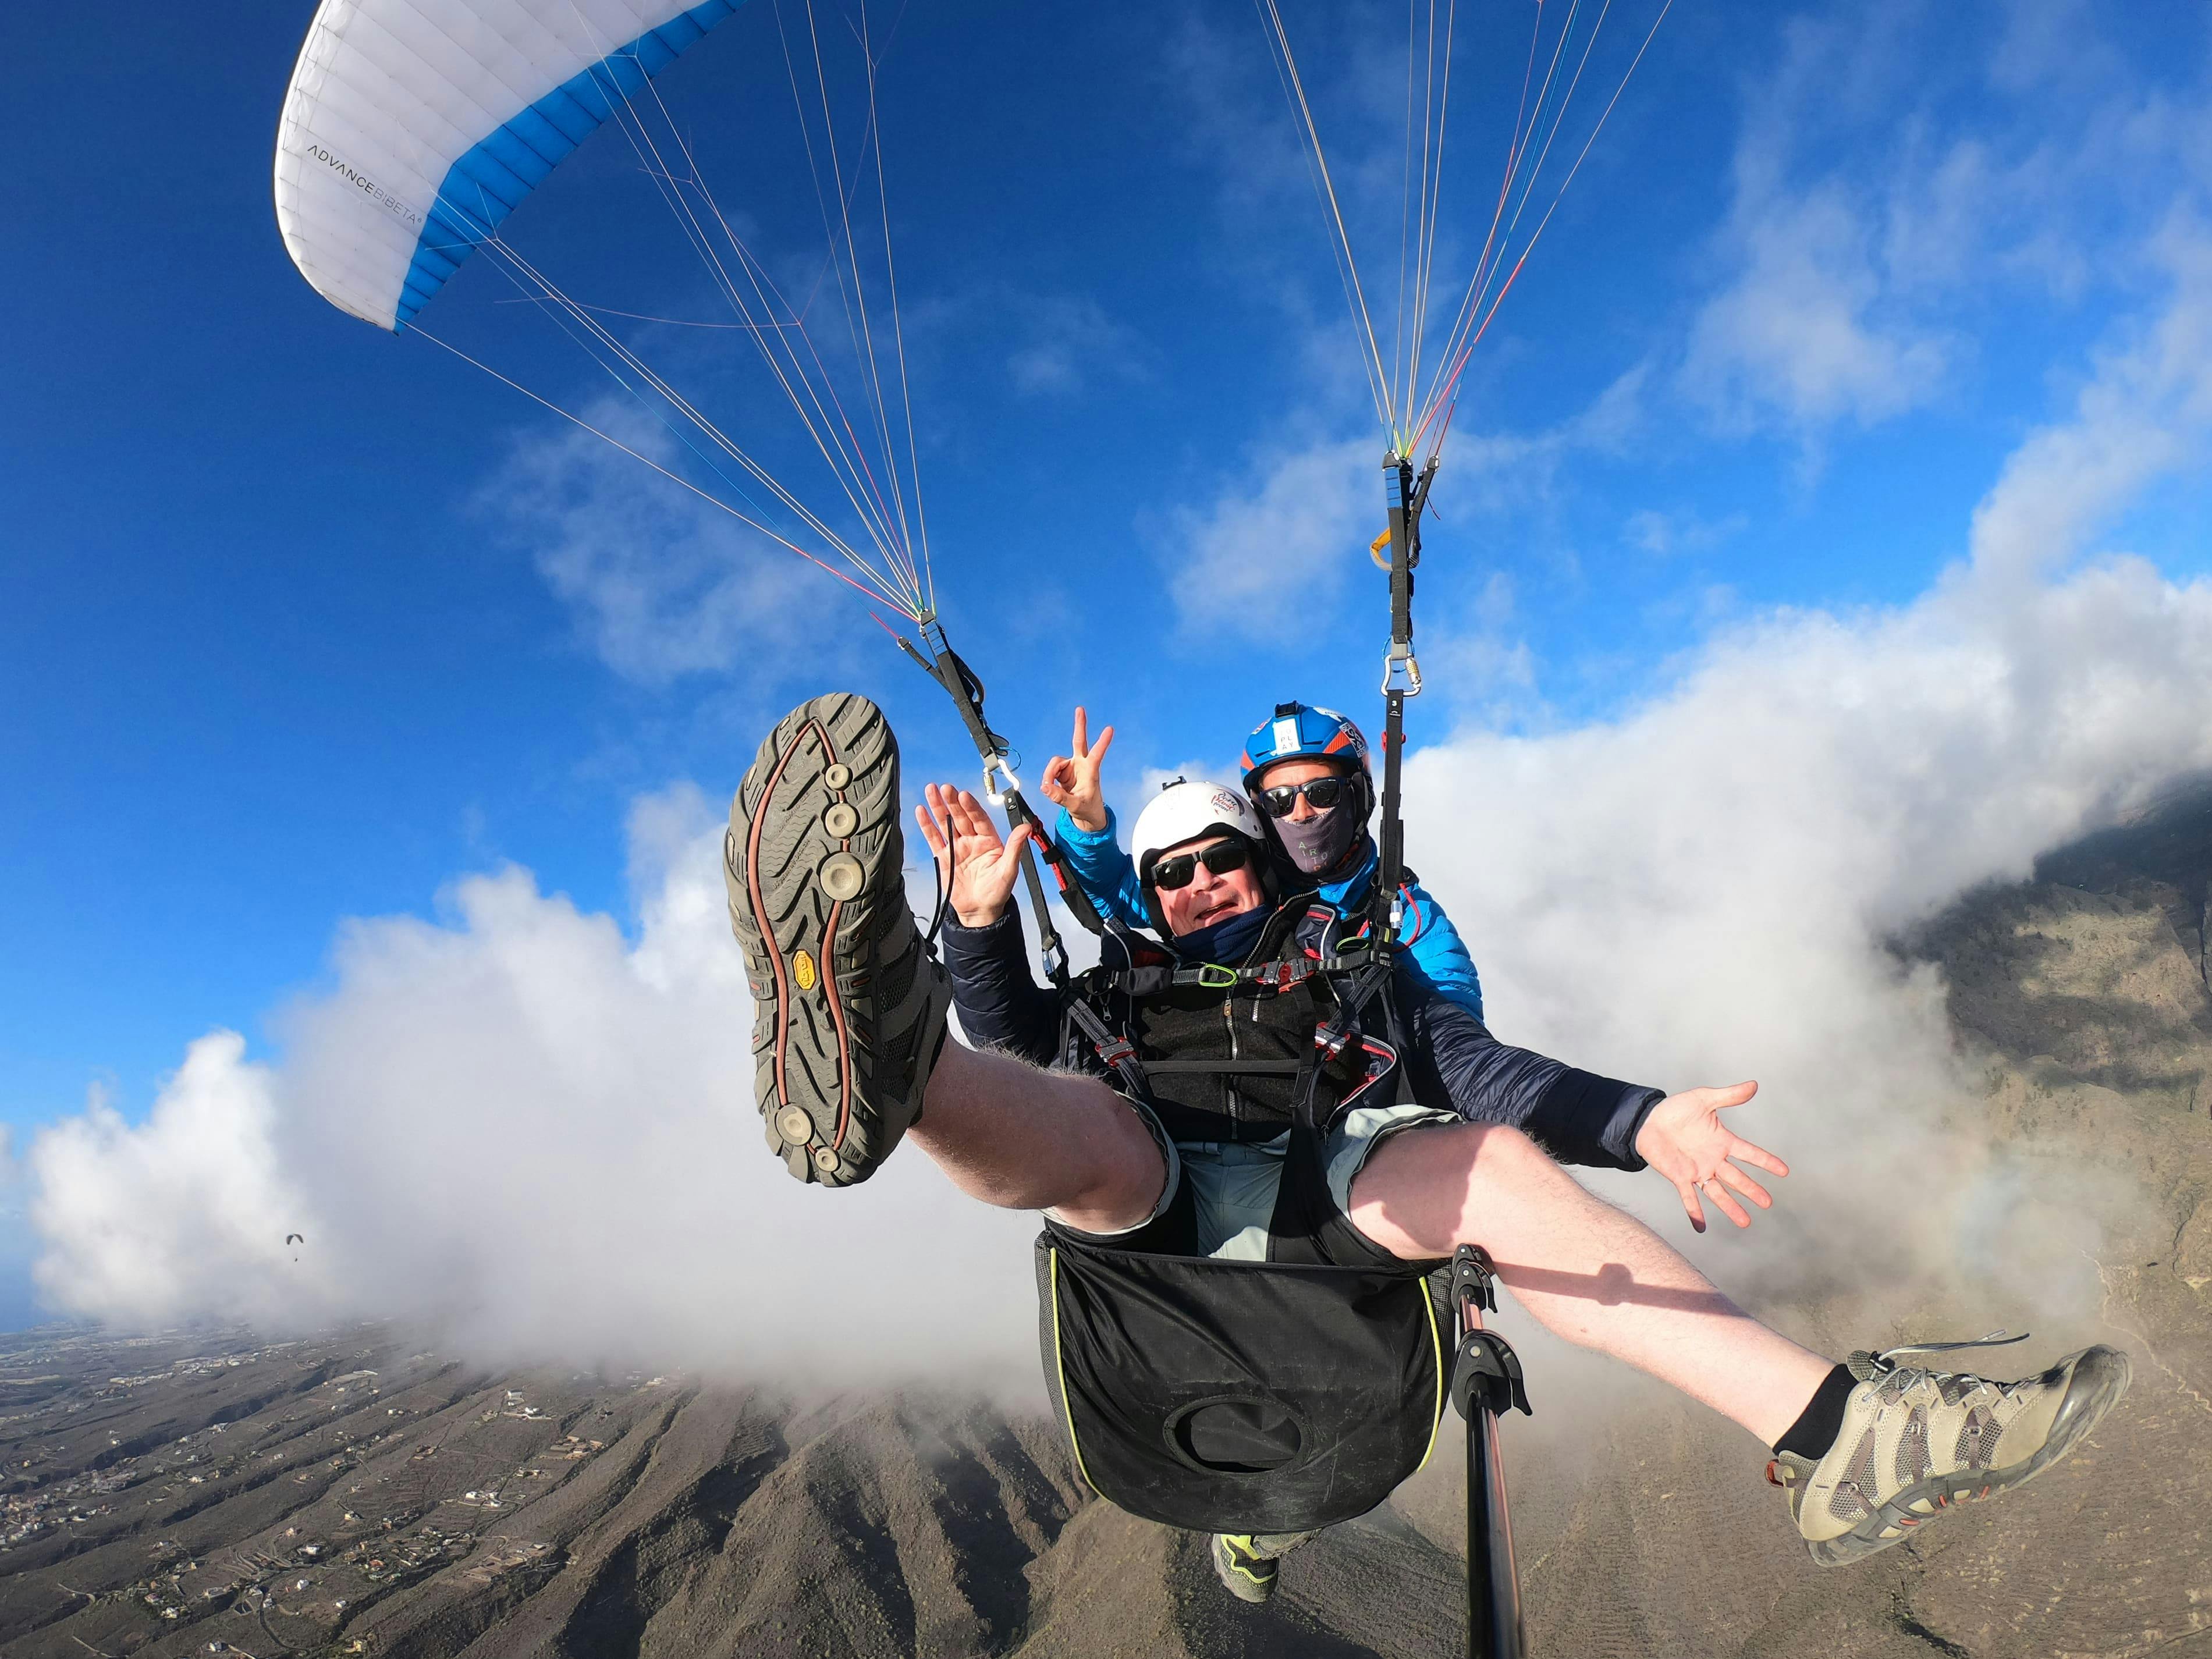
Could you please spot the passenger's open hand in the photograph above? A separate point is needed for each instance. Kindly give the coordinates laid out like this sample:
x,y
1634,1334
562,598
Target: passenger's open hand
x,y
978,866
1684,1140
1072,780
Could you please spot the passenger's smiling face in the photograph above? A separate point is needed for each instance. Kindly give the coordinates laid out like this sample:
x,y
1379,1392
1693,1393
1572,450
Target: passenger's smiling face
x,y
1210,897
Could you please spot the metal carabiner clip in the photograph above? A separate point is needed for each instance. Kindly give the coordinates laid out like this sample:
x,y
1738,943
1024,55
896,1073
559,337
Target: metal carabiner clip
x,y
1401,670
1000,765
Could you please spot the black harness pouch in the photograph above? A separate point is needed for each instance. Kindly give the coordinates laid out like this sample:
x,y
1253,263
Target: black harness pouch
x,y
1240,1396
1245,1396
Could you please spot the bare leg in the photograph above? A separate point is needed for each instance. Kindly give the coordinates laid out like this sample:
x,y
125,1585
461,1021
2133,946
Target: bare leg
x,y
1582,1269
1023,1139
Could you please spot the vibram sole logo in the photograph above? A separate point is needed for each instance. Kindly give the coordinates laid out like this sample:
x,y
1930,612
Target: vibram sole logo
x,y
802,969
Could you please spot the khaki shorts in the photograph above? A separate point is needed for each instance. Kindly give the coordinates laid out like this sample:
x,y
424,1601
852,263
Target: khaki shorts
x,y
1233,1184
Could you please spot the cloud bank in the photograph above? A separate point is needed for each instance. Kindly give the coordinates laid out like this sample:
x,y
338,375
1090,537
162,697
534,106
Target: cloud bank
x,y
518,1125
1707,888
521,1123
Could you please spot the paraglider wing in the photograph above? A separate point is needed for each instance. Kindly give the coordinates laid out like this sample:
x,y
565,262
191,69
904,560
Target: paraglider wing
x,y
295,1238
413,128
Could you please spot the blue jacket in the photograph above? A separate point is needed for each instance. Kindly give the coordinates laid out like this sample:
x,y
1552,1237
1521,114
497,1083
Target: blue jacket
x,y
1435,953
1454,1063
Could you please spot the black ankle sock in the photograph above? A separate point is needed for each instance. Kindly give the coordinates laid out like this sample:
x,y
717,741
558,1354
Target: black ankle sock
x,y
1818,1425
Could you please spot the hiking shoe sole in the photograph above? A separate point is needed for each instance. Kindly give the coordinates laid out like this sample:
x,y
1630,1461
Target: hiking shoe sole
x,y
844,993
2101,1376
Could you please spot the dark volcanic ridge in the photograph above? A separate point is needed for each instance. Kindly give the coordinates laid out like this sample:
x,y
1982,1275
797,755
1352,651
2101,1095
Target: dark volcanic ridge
x,y
354,1495
359,1494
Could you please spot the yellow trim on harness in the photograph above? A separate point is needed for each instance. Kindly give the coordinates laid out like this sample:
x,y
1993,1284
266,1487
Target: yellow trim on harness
x,y
1060,1364
1437,1343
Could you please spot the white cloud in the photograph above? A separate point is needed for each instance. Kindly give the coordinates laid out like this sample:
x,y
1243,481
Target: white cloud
x,y
518,1123
1807,327
184,1216
1664,534
2045,41
1708,887
1705,889
2143,413
1889,202
1285,537
1264,553
1152,780
1802,332
1066,343
1483,661
1504,468
661,582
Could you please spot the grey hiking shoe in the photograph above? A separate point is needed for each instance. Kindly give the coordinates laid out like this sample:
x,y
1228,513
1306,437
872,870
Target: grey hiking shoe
x,y
848,1004
1915,1441
1246,1562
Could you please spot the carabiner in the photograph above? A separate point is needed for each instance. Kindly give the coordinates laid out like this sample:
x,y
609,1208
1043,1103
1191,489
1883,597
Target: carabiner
x,y
1401,670
998,764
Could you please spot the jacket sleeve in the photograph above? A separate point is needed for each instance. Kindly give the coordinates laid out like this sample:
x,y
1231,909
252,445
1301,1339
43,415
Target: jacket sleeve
x,y
1102,869
1455,1065
1437,954
1000,1003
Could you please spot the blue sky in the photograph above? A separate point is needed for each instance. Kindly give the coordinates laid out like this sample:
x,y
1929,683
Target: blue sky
x,y
301,622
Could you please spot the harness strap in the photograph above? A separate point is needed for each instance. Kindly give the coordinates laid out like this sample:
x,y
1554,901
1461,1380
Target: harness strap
x,y
945,665
1406,496
1365,986
1151,981
1111,1047
1227,1067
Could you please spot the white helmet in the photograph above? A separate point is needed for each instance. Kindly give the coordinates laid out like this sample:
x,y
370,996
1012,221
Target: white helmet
x,y
1184,811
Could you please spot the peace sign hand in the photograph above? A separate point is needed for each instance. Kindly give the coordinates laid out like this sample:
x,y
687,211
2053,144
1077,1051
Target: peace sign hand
x,y
978,868
1071,781
1684,1140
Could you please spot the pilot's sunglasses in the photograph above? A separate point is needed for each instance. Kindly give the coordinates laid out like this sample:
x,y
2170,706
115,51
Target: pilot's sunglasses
x,y
1223,857
1320,793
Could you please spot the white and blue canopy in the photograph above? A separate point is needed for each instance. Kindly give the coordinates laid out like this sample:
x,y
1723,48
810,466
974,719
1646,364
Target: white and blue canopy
x,y
413,127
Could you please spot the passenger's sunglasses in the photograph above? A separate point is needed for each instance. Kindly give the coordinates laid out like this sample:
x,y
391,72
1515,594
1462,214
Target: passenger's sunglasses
x,y
1320,792
1223,857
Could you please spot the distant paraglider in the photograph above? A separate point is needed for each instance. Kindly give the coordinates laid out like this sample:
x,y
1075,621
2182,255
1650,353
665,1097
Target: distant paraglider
x,y
295,1238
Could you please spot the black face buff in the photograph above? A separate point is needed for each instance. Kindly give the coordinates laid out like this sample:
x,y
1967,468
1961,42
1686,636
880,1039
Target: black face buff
x,y
1169,874
1318,845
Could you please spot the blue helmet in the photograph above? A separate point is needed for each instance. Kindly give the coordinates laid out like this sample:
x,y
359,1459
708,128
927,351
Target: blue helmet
x,y
1298,731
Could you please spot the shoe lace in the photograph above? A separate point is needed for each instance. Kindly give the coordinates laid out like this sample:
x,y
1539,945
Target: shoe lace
x,y
1883,1367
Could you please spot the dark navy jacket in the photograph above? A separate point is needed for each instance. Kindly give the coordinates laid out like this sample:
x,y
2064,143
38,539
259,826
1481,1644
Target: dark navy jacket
x,y
1453,1062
